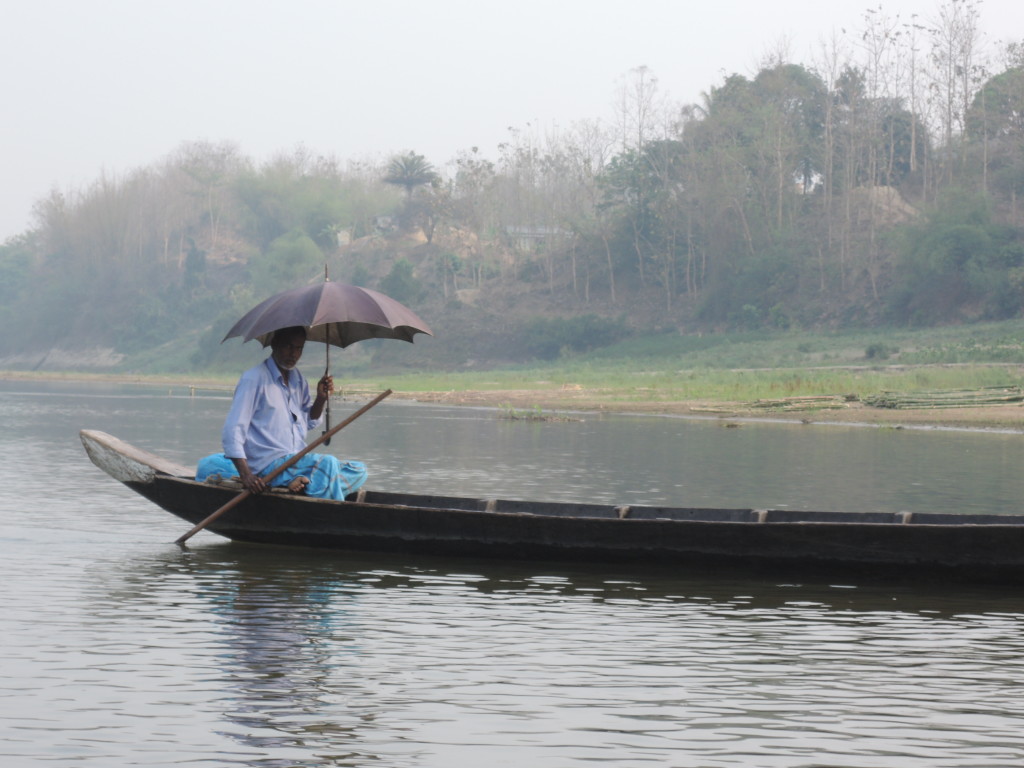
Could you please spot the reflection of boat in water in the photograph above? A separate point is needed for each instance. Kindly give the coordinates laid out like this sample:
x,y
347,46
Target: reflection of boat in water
x,y
963,546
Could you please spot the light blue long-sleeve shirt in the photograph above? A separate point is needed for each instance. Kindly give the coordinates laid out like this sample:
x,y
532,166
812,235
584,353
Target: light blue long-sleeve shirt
x,y
268,418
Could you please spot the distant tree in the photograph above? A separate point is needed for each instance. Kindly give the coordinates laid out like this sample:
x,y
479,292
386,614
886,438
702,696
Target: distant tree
x,y
195,267
583,158
449,264
290,259
410,171
957,265
401,284
646,191
638,107
472,198
15,266
997,110
207,170
995,128
16,261
957,72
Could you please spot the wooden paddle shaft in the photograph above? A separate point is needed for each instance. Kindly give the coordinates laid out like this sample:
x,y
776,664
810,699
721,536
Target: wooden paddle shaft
x,y
246,494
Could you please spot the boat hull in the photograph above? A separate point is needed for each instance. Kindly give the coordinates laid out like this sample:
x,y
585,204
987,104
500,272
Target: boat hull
x,y
962,546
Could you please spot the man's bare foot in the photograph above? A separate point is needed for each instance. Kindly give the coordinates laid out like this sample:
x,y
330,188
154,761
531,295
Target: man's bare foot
x,y
298,485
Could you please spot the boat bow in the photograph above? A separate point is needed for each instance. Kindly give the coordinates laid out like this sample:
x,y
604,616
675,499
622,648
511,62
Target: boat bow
x,y
126,463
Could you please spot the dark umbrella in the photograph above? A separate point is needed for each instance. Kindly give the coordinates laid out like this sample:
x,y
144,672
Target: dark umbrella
x,y
332,313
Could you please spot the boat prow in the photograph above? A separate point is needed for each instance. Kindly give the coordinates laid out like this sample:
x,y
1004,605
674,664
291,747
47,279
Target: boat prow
x,y
126,463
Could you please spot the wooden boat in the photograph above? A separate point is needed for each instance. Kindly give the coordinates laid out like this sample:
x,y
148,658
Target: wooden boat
x,y
961,546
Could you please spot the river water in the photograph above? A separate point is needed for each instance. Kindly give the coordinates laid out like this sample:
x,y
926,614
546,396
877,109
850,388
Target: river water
x,y
121,649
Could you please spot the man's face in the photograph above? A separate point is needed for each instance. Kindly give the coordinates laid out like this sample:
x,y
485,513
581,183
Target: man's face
x,y
288,350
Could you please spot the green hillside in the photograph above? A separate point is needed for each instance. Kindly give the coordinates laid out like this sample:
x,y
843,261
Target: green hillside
x,y
878,192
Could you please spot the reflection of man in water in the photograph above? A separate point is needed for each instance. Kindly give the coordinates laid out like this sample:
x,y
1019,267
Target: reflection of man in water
x,y
271,412
284,647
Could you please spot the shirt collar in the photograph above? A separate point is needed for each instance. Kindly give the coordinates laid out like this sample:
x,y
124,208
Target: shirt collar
x,y
275,372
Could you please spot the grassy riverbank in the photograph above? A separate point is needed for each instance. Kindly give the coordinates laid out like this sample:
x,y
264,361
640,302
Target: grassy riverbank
x,y
803,376
804,395
799,375
807,395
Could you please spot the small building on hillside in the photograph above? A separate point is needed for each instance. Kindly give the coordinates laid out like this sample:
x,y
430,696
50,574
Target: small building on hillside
x,y
531,239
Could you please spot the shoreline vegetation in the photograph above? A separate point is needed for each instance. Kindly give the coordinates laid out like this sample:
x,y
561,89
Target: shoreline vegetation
x,y
968,396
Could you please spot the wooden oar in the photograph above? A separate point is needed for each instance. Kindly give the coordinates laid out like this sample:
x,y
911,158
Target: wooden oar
x,y
246,494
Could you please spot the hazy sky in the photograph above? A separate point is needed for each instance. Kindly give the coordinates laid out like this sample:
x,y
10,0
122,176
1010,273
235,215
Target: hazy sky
x,y
93,86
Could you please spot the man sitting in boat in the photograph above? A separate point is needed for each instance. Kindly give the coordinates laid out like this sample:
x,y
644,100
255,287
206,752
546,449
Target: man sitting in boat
x,y
271,412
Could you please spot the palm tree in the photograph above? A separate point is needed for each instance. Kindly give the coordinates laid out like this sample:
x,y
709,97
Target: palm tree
x,y
410,171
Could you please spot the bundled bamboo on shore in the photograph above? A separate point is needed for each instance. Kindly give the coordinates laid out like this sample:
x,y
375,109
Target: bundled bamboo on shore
x,y
804,403
954,398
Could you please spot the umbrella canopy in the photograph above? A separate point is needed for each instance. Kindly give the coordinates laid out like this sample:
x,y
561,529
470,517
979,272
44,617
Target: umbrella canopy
x,y
332,313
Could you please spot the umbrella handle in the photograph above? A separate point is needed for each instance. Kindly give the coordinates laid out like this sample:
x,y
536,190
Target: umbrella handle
x,y
327,421
327,370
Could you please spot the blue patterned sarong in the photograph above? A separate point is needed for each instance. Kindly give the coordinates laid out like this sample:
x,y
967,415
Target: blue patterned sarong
x,y
329,477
